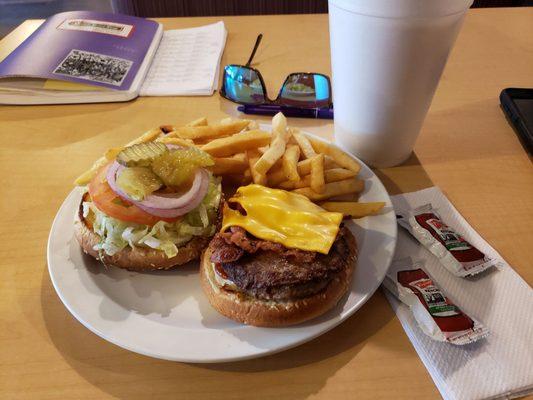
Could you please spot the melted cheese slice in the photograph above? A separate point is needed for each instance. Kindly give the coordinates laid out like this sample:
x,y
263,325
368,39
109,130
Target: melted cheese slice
x,y
283,217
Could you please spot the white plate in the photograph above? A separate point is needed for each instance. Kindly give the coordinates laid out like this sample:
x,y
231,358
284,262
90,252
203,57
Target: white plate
x,y
166,315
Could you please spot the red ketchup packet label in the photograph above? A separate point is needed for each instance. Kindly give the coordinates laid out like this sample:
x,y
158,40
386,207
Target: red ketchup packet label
x,y
434,313
456,254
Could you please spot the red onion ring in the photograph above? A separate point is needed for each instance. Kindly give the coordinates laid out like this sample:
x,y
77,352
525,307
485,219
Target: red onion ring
x,y
193,197
175,200
176,212
111,177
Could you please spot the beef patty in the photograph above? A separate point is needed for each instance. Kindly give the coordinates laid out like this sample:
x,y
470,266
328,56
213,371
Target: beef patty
x,y
270,271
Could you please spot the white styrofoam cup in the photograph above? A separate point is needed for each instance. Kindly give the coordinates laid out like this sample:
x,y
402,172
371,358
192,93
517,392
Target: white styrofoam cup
x,y
387,57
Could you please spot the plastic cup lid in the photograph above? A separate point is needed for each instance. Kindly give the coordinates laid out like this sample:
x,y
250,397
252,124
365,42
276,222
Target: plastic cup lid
x,y
403,8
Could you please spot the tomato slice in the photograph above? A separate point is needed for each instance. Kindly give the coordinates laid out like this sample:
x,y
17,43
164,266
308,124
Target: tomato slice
x,y
111,204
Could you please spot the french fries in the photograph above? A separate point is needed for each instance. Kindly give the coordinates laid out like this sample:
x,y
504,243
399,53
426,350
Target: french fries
x,y
353,209
228,146
88,175
279,125
277,175
330,175
253,125
345,186
112,153
345,197
280,136
338,174
198,122
304,143
290,163
149,136
175,140
340,157
230,165
318,182
166,128
257,177
209,131
304,166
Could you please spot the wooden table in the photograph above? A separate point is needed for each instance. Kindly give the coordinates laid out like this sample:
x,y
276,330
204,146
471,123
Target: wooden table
x,y
466,147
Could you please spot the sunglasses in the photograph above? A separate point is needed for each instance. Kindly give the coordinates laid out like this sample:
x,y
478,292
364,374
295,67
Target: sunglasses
x,y
244,85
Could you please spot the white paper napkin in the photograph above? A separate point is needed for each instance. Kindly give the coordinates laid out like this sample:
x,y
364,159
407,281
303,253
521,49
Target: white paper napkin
x,y
187,62
500,366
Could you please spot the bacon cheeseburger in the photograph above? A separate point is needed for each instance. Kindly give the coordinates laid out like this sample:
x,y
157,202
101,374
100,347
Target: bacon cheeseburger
x,y
278,260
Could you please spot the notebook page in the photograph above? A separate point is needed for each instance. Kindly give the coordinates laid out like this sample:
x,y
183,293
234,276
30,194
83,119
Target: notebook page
x,y
186,62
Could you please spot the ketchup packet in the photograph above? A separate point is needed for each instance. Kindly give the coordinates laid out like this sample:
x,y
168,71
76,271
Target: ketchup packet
x,y
453,251
434,313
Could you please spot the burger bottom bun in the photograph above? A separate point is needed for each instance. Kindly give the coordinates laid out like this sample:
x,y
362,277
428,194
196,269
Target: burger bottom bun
x,y
252,311
138,258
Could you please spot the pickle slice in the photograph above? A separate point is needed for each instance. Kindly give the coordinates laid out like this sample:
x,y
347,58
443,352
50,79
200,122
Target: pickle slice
x,y
138,182
142,154
176,167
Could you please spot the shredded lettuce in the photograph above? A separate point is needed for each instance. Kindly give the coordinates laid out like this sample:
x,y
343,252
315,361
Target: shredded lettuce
x,y
165,236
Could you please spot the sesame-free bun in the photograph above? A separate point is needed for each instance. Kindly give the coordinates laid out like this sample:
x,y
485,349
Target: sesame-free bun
x,y
138,258
253,311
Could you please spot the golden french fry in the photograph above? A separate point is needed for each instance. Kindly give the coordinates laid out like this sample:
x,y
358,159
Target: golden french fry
x,y
175,140
279,126
112,153
257,177
209,131
318,182
262,150
353,209
230,165
272,154
224,147
202,121
229,121
280,136
290,163
338,174
88,175
252,125
330,175
167,128
149,136
340,157
291,185
304,143
345,197
277,175
304,166
352,185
